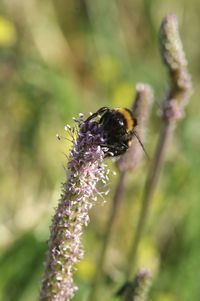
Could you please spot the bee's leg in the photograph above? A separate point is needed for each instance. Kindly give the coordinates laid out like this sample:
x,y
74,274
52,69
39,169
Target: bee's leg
x,y
116,149
99,112
120,150
109,149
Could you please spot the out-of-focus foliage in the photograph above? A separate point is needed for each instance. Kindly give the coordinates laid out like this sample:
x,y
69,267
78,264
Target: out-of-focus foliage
x,y
61,57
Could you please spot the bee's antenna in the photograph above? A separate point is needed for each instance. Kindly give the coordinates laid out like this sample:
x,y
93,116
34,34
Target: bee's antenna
x,y
138,138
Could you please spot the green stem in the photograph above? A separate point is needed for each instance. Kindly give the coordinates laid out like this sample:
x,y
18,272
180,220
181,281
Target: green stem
x,y
117,200
150,185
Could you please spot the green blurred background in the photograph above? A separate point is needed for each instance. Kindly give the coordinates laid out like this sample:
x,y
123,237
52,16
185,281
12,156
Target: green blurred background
x,y
62,57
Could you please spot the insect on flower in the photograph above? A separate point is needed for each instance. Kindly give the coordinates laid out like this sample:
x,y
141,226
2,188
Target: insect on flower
x,y
118,126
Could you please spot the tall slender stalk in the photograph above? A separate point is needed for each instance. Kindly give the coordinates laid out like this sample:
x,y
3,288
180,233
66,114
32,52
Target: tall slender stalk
x,y
118,196
129,161
172,110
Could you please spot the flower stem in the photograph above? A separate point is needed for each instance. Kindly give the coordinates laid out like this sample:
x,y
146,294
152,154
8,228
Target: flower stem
x,y
148,194
129,161
117,199
172,110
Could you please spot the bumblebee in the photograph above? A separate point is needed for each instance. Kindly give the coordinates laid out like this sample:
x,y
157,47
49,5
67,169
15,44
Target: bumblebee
x,y
118,127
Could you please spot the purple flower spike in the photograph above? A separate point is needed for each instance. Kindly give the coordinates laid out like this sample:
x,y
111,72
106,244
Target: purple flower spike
x,y
86,169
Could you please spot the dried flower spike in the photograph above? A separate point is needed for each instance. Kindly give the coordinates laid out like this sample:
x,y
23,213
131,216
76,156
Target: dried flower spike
x,y
86,169
174,58
141,110
172,110
137,290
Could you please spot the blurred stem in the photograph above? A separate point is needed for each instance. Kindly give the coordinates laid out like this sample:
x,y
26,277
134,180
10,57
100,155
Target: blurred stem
x,y
117,200
148,17
128,162
172,110
148,192
138,288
